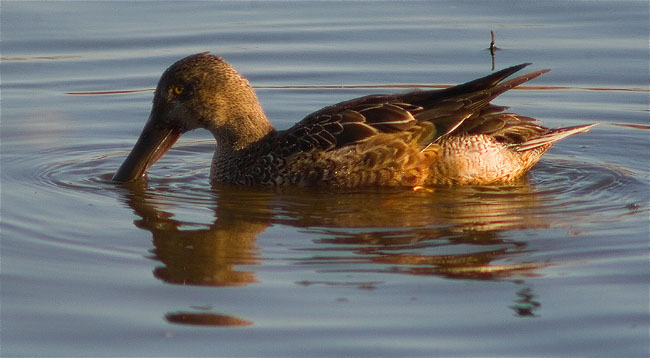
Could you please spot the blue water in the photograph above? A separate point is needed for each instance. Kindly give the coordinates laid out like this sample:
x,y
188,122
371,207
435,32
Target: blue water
x,y
554,266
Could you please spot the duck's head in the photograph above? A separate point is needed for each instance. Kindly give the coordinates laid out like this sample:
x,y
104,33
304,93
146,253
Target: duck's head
x,y
199,91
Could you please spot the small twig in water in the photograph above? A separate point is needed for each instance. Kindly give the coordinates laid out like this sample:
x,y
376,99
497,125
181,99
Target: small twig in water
x,y
493,48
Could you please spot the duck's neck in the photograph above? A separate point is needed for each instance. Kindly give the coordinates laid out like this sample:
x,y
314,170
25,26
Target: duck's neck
x,y
246,129
243,120
236,141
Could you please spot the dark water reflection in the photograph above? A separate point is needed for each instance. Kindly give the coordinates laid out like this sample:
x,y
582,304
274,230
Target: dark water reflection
x,y
458,233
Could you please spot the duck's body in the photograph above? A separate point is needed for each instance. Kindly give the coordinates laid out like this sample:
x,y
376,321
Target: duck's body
x,y
450,136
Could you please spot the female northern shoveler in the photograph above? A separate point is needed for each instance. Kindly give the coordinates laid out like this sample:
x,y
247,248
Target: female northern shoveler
x,y
449,136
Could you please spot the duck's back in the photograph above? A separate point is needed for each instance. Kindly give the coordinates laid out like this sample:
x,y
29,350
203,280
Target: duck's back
x,y
450,136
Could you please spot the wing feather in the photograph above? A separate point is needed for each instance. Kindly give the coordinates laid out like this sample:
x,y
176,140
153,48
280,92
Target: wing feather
x,y
464,108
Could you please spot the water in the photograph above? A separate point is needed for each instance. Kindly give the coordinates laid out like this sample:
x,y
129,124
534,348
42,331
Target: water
x,y
554,266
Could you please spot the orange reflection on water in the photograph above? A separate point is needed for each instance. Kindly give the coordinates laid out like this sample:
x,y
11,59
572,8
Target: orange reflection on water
x,y
453,233
205,319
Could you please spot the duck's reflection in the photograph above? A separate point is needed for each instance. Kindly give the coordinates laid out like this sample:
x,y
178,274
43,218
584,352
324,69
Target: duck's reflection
x,y
459,233
208,256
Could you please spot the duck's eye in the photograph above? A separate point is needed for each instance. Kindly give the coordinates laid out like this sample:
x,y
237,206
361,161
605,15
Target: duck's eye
x,y
178,90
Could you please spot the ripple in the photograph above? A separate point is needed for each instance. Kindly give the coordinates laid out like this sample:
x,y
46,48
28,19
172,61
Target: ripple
x,y
76,168
560,186
89,168
566,186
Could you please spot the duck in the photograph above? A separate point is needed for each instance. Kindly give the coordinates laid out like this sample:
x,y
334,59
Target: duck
x,y
451,136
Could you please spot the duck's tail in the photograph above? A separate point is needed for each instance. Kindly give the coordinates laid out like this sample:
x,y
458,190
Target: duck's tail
x,y
451,107
552,136
494,83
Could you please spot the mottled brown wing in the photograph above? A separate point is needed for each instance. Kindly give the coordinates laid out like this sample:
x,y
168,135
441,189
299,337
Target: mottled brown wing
x,y
356,122
459,108
468,105
504,127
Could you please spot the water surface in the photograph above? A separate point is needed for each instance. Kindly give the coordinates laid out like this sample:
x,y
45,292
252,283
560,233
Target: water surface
x,y
555,265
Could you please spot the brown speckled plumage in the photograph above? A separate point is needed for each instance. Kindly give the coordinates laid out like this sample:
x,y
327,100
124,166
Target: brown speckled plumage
x,y
450,136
